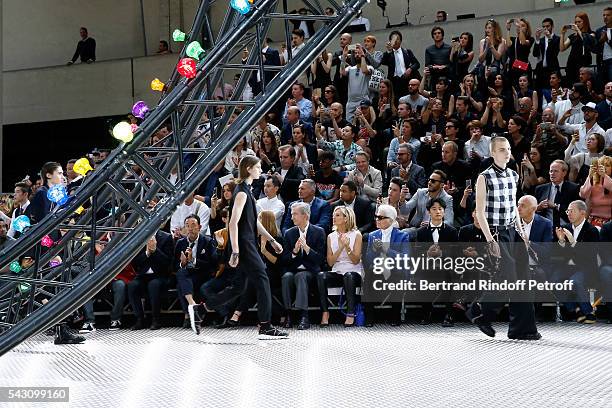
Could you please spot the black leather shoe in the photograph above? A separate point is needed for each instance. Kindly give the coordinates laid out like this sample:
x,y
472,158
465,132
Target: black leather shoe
x,y
304,324
425,320
138,326
532,336
63,335
155,325
287,324
448,321
395,323
227,323
476,317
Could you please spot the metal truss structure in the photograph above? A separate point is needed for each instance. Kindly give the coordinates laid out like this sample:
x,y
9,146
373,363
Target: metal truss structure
x,y
118,194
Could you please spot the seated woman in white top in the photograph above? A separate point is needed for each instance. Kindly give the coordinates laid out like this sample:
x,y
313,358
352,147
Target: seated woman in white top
x,y
344,256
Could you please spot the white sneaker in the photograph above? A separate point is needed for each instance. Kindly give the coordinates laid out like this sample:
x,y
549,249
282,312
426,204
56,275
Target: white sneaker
x,y
115,325
88,327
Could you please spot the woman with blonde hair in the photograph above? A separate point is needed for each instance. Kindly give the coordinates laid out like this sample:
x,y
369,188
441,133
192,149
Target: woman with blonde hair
x,y
492,49
597,191
344,257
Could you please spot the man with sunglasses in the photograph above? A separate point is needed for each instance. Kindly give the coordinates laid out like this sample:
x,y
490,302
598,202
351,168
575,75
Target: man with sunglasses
x,y
434,189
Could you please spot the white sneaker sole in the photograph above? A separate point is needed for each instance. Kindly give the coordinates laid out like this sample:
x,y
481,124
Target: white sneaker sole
x,y
87,331
268,337
194,326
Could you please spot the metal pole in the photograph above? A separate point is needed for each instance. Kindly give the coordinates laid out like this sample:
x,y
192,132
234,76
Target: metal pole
x,y
144,31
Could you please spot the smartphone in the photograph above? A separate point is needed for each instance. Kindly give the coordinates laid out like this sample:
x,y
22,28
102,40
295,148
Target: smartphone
x,y
544,125
568,26
455,39
511,21
434,129
468,183
352,47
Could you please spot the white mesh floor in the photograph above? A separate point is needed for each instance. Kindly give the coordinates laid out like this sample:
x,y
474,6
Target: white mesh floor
x,y
409,366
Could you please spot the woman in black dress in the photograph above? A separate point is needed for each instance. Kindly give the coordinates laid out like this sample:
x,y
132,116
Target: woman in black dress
x,y
245,258
581,43
518,49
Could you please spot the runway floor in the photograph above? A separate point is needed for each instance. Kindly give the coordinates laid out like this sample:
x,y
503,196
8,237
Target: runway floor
x,y
409,366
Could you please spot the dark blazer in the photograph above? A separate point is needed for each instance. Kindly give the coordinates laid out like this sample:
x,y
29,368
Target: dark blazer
x,y
416,177
469,233
364,213
410,61
271,58
320,215
604,119
315,239
598,47
424,238
605,235
27,212
584,253
206,258
569,192
552,52
540,237
289,189
40,205
287,132
160,260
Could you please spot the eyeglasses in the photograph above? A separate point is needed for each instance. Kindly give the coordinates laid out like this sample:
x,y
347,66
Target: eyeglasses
x,y
448,127
434,181
380,217
328,91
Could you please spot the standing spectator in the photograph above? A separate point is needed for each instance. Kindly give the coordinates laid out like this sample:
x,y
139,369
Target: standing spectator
x,y
604,108
297,44
441,16
603,47
86,49
306,26
597,192
321,73
341,82
416,101
372,55
492,50
581,42
580,163
437,57
5,240
402,64
21,203
358,79
583,130
546,50
52,174
573,105
519,48
549,136
360,22
462,55
554,90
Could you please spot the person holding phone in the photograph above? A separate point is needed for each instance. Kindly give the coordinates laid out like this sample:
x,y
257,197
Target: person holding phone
x,y
546,49
580,42
401,62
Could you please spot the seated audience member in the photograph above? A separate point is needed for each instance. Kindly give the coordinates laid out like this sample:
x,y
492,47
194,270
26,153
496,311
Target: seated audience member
x,y
320,211
189,206
435,233
397,197
5,240
219,203
212,184
604,108
232,159
605,272
332,121
328,180
152,266
534,171
597,191
548,135
305,152
418,202
267,151
293,118
271,201
86,48
344,149
362,207
460,112
452,135
303,257
404,133
163,48
519,143
411,173
387,241
195,259
344,257
554,197
298,100
414,99
580,163
577,248
367,178
572,106
588,127
289,174
477,147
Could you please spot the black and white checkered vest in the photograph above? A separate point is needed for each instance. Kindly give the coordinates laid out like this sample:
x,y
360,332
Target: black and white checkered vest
x,y
501,195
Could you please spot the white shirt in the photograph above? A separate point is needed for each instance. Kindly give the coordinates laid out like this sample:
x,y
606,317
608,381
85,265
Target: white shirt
x,y
608,137
361,20
580,147
563,106
294,52
183,210
482,147
527,228
577,230
400,67
194,252
607,50
436,234
553,191
386,234
275,205
350,205
11,231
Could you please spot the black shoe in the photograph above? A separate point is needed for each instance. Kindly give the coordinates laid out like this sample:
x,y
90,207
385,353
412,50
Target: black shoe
x,y
425,320
323,325
368,323
64,336
271,333
227,323
532,336
476,317
138,326
186,323
395,323
196,315
609,321
448,321
589,319
287,324
155,325
304,324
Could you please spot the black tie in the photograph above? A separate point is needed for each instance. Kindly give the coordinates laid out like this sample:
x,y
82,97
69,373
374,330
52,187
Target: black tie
x,y
558,195
432,229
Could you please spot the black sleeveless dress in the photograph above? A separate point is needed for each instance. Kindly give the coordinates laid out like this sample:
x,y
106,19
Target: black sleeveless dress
x,y
247,231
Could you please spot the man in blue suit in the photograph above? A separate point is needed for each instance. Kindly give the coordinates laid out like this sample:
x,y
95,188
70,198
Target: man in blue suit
x,y
320,211
303,254
386,241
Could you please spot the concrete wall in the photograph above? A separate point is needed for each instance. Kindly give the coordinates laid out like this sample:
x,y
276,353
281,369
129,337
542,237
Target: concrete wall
x,y
42,33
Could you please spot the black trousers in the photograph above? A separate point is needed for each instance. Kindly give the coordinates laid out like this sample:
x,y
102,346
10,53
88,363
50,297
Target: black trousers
x,y
513,266
155,286
237,286
350,281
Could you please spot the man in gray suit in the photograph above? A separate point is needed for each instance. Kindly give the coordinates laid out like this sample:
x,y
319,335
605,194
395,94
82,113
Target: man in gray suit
x,y
434,189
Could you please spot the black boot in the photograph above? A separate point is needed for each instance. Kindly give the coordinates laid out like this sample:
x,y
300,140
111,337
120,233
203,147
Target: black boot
x,y
64,336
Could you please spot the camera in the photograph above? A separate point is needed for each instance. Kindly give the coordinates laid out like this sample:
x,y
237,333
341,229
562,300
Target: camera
x,y
568,26
352,47
455,39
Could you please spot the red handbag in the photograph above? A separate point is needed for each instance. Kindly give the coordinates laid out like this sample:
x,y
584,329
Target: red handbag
x,y
520,65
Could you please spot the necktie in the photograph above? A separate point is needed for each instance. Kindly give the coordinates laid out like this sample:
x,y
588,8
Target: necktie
x,y
558,195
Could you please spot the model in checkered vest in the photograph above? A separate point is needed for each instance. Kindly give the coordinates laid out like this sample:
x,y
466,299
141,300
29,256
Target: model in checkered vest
x,y
497,215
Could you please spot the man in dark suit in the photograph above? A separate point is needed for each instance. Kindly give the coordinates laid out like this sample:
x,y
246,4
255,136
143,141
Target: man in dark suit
x,y
605,272
603,47
362,207
303,255
152,266
289,174
271,57
195,260
307,26
320,211
386,242
554,197
402,64
411,173
577,248
341,81
546,50
429,238
604,108
22,203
